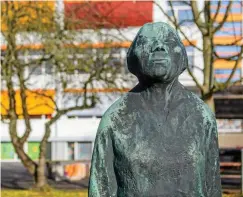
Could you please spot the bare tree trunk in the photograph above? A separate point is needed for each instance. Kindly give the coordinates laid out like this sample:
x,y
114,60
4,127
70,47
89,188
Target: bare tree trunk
x,y
40,178
210,102
207,53
208,72
19,148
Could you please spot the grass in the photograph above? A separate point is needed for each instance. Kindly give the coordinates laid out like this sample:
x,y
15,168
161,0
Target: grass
x,y
53,193
56,193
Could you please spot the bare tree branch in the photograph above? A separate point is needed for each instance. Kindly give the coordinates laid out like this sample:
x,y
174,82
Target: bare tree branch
x,y
217,11
177,27
195,80
226,14
198,21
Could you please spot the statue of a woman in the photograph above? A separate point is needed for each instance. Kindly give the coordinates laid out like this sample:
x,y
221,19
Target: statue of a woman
x,y
159,139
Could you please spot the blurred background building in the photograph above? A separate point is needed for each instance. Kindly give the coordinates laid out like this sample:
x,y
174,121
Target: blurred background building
x,y
73,135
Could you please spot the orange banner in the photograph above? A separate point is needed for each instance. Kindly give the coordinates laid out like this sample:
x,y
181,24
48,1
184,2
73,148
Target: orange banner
x,y
39,102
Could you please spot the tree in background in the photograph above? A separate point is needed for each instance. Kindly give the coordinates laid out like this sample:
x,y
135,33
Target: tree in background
x,y
68,67
209,20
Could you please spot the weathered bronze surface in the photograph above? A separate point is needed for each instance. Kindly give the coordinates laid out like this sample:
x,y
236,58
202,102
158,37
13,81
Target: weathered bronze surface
x,y
159,139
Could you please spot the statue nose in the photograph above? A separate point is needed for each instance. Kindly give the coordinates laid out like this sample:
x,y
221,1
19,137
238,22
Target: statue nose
x,y
158,48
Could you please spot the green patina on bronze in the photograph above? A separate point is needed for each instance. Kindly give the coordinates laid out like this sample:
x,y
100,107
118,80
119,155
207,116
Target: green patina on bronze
x,y
159,139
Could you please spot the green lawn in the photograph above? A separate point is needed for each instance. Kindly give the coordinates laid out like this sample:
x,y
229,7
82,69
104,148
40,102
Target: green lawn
x,y
55,193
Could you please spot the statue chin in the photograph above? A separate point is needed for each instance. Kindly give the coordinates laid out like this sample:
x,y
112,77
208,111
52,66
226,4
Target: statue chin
x,y
157,70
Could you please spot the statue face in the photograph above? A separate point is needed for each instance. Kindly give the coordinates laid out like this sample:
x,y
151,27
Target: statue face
x,y
157,52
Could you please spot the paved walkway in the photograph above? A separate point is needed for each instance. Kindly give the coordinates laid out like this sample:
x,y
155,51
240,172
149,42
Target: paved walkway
x,y
15,176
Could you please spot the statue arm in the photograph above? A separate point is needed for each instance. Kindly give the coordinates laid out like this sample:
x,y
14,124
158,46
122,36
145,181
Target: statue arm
x,y
102,178
213,181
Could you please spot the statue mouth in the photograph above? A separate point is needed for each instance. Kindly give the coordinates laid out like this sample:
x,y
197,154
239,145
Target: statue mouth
x,y
159,60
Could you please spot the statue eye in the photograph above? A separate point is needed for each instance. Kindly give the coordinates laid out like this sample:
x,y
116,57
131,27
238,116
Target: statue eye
x,y
141,40
169,40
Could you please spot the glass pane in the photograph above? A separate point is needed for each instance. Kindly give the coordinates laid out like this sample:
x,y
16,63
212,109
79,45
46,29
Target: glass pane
x,y
230,29
34,150
84,150
48,150
230,125
221,75
70,150
115,62
35,70
189,49
7,150
178,3
236,7
185,17
48,67
225,51
190,61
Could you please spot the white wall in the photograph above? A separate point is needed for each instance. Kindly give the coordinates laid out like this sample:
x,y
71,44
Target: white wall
x,y
80,129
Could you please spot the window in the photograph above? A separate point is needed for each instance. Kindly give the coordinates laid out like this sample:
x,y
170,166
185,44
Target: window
x,y
47,67
230,29
235,8
227,51
185,17
35,69
84,150
71,146
79,150
230,125
33,150
7,150
178,3
190,55
221,75
48,150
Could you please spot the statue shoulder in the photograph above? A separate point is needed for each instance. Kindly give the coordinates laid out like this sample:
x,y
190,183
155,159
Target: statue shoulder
x,y
111,113
199,107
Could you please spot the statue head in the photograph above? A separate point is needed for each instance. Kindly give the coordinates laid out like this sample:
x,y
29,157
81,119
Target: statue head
x,y
157,54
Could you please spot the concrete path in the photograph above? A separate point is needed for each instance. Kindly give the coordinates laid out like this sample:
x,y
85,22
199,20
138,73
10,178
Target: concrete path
x,y
15,176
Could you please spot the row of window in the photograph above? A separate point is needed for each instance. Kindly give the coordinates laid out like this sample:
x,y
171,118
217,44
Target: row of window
x,y
74,151
31,148
117,59
235,8
185,17
226,51
79,150
222,75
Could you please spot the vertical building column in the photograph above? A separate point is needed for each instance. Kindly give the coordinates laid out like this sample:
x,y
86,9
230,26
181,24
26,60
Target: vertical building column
x,y
59,13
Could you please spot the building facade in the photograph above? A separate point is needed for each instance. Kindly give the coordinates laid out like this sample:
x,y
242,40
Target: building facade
x,y
73,135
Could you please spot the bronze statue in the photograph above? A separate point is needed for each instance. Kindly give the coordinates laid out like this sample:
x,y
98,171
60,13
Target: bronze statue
x,y
159,139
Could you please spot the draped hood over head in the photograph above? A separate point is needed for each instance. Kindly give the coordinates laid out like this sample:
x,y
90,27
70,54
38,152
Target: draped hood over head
x,y
157,54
